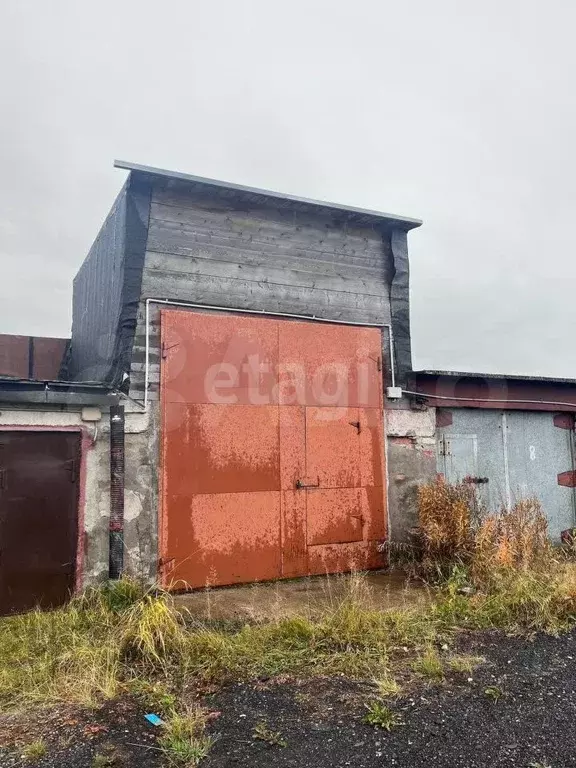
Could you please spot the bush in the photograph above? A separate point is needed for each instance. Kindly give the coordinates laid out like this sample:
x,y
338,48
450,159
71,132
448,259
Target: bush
x,y
445,525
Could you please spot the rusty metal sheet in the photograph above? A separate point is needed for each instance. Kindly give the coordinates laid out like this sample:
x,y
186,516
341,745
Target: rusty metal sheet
x,y
221,449
371,447
264,477
340,558
333,447
14,356
31,357
329,365
47,354
220,359
293,445
373,507
294,549
223,538
334,516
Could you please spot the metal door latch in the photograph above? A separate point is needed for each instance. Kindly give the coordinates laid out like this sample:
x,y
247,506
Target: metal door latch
x,y
302,484
476,480
356,424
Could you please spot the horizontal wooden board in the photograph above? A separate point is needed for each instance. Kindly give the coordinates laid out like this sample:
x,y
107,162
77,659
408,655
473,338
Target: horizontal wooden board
x,y
266,296
222,201
246,225
201,264
171,237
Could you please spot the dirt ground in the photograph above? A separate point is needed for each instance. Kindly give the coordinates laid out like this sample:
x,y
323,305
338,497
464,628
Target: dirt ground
x,y
528,723
305,596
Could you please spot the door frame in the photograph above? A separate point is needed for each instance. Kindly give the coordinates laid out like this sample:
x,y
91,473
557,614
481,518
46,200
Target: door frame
x,y
86,442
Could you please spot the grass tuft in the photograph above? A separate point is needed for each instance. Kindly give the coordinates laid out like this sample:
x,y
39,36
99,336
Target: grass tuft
x,y
388,688
34,751
465,664
380,715
262,732
184,741
429,665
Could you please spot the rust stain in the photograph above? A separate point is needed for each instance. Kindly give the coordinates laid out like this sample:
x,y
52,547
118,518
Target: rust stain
x,y
294,550
219,359
564,420
567,479
333,446
293,445
224,538
332,365
402,441
444,418
335,516
218,448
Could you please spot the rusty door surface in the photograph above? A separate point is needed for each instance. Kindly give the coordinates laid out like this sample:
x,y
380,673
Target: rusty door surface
x,y
272,449
38,518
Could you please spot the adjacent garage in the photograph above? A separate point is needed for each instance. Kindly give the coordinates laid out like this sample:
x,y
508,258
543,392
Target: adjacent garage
x,y
511,436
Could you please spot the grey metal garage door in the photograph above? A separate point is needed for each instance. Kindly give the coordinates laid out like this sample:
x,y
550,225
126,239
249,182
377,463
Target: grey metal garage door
x,y
511,455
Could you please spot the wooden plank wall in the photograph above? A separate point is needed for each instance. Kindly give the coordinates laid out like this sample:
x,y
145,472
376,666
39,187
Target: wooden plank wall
x,y
207,246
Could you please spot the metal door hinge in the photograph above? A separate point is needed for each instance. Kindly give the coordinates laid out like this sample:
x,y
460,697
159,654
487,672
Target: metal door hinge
x,y
166,349
444,447
378,361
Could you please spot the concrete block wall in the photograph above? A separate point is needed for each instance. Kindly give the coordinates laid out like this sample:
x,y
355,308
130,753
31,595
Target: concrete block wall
x,y
411,452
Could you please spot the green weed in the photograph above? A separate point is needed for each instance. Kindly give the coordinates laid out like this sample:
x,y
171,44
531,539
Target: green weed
x,y
429,665
262,732
494,692
184,741
380,715
34,751
465,664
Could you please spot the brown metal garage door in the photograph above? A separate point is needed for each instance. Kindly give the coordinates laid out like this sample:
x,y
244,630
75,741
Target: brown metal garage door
x,y
38,518
272,449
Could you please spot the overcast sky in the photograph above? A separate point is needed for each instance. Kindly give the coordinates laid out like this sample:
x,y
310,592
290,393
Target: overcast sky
x,y
462,114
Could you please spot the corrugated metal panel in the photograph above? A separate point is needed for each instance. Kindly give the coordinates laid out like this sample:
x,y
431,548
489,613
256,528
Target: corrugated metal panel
x,y
14,356
31,357
271,467
512,455
107,291
47,357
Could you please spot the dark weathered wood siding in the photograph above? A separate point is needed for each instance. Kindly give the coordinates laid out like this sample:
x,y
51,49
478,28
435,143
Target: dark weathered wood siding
x,y
208,246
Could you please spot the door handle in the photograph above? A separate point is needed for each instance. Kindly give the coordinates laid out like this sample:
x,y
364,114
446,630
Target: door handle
x,y
2,479
358,517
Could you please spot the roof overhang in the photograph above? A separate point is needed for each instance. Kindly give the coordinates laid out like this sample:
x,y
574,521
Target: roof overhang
x,y
29,391
358,215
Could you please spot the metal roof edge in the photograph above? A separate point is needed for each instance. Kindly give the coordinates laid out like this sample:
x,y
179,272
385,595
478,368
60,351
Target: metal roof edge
x,y
405,222
500,376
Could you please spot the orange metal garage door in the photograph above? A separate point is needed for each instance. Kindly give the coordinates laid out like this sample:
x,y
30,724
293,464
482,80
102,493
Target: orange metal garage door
x,y
272,449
